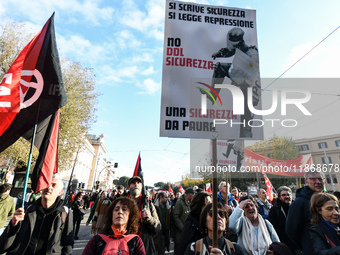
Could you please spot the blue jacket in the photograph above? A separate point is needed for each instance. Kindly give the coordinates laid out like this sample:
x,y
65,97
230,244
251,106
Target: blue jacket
x,y
298,221
231,200
263,208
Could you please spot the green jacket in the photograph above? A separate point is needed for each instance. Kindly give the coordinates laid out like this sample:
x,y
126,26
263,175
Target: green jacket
x,y
93,209
180,214
7,208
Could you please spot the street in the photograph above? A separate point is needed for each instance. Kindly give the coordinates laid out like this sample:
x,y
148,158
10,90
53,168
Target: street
x,y
85,236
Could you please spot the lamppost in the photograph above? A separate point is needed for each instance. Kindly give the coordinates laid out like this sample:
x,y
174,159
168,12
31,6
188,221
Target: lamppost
x,y
114,165
97,182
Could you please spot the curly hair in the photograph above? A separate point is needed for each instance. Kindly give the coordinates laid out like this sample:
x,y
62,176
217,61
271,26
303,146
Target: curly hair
x,y
132,224
317,201
205,211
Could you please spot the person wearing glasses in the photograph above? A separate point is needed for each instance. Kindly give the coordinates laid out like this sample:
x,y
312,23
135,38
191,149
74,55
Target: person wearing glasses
x,y
255,234
298,218
204,245
325,222
278,214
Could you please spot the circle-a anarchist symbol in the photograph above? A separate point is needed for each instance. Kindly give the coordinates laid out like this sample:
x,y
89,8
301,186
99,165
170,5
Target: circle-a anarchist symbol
x,y
37,86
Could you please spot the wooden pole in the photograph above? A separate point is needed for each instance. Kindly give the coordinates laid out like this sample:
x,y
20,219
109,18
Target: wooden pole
x,y
214,191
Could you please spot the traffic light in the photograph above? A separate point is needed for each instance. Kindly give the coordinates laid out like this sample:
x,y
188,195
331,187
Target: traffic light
x,y
97,186
2,173
83,185
97,182
79,185
115,165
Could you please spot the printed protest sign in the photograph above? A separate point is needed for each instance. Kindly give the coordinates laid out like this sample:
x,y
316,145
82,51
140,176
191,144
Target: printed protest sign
x,y
211,84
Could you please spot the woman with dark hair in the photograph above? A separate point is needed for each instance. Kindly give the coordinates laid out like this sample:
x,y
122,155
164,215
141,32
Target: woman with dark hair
x,y
204,245
325,221
255,235
119,232
192,231
78,213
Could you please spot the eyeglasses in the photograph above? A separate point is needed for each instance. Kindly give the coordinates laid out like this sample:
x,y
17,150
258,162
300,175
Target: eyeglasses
x,y
313,179
222,214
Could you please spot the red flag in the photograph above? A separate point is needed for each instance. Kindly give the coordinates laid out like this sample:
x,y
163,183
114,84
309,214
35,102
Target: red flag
x,y
269,188
170,189
37,87
47,161
181,189
209,190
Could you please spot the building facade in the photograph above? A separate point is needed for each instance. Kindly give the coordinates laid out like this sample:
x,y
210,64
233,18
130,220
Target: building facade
x,y
325,151
91,170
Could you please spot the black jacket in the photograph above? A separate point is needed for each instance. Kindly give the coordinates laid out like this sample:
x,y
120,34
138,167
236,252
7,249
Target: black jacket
x,y
277,216
77,213
222,245
15,239
320,244
298,221
191,232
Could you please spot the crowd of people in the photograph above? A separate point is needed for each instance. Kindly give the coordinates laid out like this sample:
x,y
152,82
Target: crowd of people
x,y
128,222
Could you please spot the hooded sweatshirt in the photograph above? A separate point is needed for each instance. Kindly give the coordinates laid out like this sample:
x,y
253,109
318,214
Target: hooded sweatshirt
x,y
41,232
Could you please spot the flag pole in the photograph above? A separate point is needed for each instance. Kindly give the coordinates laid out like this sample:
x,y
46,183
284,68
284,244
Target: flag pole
x,y
28,166
69,182
214,193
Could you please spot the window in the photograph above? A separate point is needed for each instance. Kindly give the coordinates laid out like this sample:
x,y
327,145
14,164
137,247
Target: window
x,y
322,145
330,178
335,180
304,147
326,160
337,143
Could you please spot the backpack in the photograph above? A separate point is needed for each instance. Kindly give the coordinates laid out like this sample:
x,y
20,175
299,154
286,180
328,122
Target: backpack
x,y
106,245
199,246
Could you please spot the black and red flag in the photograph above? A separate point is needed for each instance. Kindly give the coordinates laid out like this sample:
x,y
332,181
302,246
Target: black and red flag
x,y
138,172
31,93
47,163
138,168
